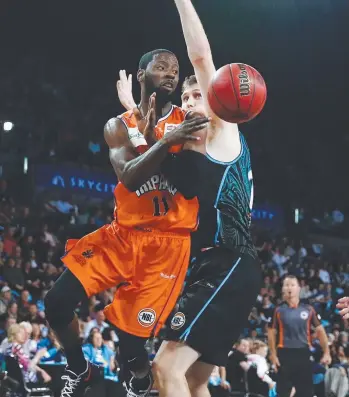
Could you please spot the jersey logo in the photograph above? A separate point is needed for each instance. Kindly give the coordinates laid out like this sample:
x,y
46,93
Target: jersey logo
x,y
146,317
304,315
178,321
87,254
169,127
156,182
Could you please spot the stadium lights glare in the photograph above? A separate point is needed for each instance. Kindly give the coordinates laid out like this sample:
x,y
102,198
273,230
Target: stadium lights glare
x,y
25,165
8,125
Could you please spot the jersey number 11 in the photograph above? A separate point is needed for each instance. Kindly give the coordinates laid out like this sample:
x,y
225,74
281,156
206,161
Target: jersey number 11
x,y
161,206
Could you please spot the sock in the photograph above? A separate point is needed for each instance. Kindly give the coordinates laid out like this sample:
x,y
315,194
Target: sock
x,y
76,360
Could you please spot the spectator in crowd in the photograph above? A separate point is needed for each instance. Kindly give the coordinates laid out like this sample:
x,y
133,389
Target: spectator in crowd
x,y
14,275
336,378
53,349
35,338
29,264
237,365
98,322
6,298
259,381
97,352
32,373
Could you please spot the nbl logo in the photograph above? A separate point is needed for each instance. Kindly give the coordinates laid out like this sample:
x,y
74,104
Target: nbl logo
x,y
146,317
178,321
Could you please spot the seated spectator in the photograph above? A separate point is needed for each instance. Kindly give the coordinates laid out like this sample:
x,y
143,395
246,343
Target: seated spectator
x,y
336,378
53,349
343,339
4,332
34,339
237,365
97,352
5,299
12,312
23,304
9,241
28,329
49,277
98,322
48,237
266,309
32,373
32,280
33,315
305,290
14,275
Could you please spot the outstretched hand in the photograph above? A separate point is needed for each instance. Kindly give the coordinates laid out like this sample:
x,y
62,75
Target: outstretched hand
x,y
124,90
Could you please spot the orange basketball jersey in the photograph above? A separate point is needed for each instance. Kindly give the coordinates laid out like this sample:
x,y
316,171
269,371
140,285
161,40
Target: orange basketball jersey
x,y
156,204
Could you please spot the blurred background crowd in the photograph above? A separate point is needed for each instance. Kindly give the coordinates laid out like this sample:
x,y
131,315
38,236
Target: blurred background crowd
x,y
32,242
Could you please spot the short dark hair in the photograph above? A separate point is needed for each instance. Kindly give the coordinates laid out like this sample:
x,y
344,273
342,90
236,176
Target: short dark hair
x,y
292,277
188,81
148,57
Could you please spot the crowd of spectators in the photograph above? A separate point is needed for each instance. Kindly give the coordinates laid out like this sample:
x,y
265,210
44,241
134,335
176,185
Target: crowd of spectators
x,y
32,241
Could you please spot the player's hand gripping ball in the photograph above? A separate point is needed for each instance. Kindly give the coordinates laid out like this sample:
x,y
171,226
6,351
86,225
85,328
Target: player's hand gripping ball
x,y
237,93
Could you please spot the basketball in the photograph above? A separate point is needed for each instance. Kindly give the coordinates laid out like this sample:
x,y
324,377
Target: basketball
x,y
237,93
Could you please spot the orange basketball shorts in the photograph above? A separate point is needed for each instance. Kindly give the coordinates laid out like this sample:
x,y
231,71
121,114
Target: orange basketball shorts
x,y
149,268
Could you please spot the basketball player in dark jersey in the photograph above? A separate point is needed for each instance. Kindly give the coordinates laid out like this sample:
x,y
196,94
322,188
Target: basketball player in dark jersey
x,y
226,276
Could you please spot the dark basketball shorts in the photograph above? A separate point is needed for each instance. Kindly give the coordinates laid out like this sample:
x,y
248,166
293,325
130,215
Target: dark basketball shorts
x,y
213,311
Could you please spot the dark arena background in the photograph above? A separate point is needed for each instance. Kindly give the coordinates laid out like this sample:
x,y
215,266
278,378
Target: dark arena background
x,y
59,63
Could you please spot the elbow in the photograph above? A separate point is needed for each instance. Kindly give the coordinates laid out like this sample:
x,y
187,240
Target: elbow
x,y
127,177
128,183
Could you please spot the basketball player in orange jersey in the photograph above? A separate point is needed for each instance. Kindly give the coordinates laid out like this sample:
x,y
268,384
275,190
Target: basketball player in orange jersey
x,y
226,277
145,250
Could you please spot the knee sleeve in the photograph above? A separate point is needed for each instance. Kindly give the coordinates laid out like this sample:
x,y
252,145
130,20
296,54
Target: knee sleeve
x,y
132,351
62,299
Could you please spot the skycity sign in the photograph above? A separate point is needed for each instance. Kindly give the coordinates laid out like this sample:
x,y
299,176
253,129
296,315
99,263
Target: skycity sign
x,y
75,180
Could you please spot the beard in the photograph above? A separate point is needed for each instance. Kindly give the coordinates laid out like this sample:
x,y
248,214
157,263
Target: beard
x,y
161,95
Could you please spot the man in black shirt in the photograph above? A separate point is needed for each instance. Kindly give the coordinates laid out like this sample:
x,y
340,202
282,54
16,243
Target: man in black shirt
x,y
289,337
237,365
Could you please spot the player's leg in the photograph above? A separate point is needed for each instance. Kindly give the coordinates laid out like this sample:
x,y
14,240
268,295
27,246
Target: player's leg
x,y
170,367
60,304
95,263
197,376
212,313
141,308
134,361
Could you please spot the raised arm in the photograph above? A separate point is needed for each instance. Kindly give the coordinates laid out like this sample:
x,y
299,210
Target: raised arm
x,y
199,50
